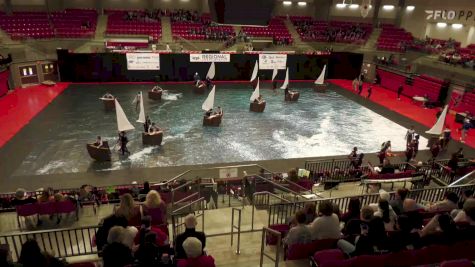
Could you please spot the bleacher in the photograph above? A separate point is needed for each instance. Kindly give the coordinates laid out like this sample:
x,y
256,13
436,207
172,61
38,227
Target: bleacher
x,y
467,103
119,24
277,30
394,39
70,23
315,30
201,30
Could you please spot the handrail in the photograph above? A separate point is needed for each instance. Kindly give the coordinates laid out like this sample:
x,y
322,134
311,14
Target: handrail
x,y
187,205
254,203
283,188
186,198
462,178
272,194
238,228
298,186
278,235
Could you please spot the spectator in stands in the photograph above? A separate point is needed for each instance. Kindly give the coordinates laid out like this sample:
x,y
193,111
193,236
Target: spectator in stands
x,y
466,194
145,189
399,91
387,214
398,203
327,225
387,167
105,226
32,256
467,214
300,233
148,251
441,229
154,201
46,195
5,257
353,227
147,227
194,255
405,236
190,231
353,212
128,209
21,198
372,239
449,203
310,212
115,253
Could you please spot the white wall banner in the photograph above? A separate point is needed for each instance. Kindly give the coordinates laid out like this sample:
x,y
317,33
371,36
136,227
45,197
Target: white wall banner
x,y
143,61
272,61
228,173
210,58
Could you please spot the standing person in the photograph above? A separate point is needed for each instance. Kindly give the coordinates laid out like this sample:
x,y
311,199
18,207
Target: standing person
x,y
360,87
399,91
465,127
435,150
137,101
197,78
446,134
370,90
355,84
409,152
123,140
385,147
410,135
415,145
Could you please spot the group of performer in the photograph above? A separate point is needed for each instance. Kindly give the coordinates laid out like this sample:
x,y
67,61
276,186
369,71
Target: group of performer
x,y
200,83
210,112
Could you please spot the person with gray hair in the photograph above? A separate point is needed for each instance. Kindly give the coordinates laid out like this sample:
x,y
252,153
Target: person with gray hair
x,y
115,253
195,256
190,231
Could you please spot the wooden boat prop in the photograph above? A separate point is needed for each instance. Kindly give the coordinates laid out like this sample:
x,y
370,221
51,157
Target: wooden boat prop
x,y
199,88
102,153
256,106
215,119
155,93
320,85
291,96
152,139
109,103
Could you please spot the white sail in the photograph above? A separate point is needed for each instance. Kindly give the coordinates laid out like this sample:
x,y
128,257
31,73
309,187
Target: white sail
x,y
256,93
123,123
439,125
286,81
254,72
274,74
209,102
141,118
321,79
211,71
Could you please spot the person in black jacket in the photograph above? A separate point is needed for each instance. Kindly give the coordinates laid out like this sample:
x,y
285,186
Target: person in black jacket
x,y
190,224
107,224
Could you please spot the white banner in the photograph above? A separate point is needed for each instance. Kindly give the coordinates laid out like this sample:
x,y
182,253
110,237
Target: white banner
x,y
143,61
210,58
272,61
228,173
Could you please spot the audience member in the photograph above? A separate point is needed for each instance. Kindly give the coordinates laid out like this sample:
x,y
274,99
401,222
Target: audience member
x,y
115,253
299,234
327,225
190,231
148,252
310,212
128,209
21,198
353,212
5,257
373,239
387,214
449,203
398,203
194,255
152,202
32,256
147,227
353,227
105,226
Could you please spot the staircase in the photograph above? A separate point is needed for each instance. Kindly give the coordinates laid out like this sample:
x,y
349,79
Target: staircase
x,y
101,28
293,31
166,30
373,39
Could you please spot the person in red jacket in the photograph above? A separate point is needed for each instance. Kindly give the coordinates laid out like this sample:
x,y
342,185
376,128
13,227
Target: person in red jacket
x,y
194,254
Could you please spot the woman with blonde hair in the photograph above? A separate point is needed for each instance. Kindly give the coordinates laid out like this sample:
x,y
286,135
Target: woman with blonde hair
x,y
128,209
155,207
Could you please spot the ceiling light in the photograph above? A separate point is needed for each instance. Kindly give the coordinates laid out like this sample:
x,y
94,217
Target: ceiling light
x,y
302,3
441,24
341,5
457,26
287,3
388,7
410,8
354,6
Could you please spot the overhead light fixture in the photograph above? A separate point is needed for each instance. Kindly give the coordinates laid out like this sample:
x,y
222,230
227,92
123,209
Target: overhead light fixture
x,y
302,3
354,6
388,7
410,8
341,5
287,3
441,24
457,26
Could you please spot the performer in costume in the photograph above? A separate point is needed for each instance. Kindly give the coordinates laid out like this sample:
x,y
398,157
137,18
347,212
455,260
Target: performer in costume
x,y
197,78
147,123
108,95
209,83
98,142
123,140
410,135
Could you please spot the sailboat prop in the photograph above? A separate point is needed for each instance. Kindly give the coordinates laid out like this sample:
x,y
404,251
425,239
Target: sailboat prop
x,y
291,96
254,75
123,124
208,105
200,87
153,137
211,72
321,81
257,104
155,93
438,127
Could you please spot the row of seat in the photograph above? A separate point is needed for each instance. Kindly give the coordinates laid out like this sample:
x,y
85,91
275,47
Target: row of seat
x,y
394,39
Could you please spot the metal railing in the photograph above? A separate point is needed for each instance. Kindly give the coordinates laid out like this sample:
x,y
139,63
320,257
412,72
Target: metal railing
x,y
266,196
236,227
277,235
59,242
196,207
466,179
279,213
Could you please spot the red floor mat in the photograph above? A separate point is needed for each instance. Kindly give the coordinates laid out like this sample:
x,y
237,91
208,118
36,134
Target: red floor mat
x,y
22,105
407,108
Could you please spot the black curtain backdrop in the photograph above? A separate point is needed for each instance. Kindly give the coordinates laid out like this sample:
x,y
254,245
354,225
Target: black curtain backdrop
x,y
112,67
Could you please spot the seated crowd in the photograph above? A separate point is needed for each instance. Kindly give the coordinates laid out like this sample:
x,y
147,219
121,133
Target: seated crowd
x,y
387,226
342,32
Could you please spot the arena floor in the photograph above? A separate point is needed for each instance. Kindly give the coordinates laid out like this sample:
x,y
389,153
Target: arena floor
x,y
51,148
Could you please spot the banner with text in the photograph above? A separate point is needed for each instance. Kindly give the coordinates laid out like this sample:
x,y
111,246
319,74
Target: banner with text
x,y
143,61
210,58
272,61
